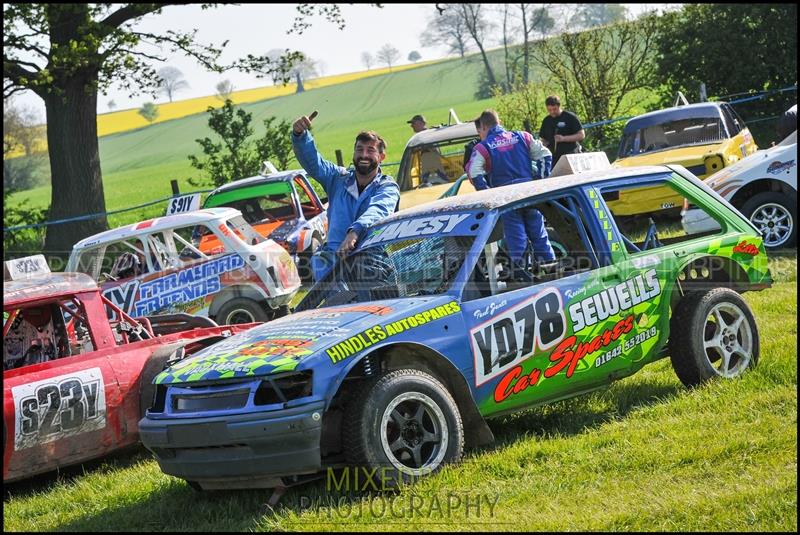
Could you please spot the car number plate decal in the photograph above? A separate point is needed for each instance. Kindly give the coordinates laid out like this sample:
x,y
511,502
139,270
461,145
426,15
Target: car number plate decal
x,y
58,407
511,337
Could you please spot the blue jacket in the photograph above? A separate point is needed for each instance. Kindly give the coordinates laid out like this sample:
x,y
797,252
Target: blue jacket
x,y
506,157
347,210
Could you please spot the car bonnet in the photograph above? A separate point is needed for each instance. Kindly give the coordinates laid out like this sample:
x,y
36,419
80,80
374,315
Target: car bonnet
x,y
281,345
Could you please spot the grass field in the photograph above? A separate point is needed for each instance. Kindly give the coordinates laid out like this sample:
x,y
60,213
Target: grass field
x,y
645,454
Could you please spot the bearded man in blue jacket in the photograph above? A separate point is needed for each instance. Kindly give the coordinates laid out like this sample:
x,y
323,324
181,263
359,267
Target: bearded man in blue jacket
x,y
357,198
507,157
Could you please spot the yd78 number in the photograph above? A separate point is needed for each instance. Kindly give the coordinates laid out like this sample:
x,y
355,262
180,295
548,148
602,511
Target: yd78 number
x,y
513,336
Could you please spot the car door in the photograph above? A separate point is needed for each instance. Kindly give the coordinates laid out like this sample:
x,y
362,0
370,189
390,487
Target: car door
x,y
536,343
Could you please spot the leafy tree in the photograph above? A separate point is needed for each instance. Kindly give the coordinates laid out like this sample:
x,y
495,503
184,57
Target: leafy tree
x,y
236,155
522,108
149,111
509,36
303,67
598,72
367,59
446,27
589,15
414,56
172,81
21,242
732,48
388,55
233,157
19,173
478,27
111,105
21,134
67,53
21,129
276,143
534,19
224,90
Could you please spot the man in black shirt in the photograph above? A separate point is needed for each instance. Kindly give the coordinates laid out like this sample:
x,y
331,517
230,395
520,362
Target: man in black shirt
x,y
787,123
561,130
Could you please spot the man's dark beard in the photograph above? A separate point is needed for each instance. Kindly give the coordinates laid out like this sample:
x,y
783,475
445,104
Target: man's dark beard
x,y
365,168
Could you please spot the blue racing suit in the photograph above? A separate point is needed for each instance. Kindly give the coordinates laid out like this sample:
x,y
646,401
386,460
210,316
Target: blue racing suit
x,y
503,158
347,209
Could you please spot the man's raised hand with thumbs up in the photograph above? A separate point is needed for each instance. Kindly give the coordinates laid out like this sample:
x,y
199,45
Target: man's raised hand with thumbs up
x,y
358,197
303,123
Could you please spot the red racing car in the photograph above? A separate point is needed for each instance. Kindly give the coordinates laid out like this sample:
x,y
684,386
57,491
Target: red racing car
x,y
77,370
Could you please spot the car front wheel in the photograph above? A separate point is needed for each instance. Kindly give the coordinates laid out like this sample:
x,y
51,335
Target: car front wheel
x,y
774,214
405,424
713,334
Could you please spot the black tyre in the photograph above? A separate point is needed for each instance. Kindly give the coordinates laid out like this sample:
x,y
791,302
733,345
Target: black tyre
x,y
241,310
404,423
194,485
147,390
304,261
712,334
775,215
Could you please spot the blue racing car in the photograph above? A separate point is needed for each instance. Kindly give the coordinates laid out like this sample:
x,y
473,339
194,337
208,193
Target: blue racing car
x,y
394,361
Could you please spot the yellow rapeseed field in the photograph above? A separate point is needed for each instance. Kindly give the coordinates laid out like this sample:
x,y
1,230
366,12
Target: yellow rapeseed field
x,y
121,121
124,120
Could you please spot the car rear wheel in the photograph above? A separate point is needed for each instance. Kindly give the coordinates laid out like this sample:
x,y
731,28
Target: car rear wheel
x,y
713,334
155,365
774,214
241,310
405,424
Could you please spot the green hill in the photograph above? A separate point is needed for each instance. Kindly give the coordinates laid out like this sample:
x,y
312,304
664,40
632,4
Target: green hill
x,y
138,165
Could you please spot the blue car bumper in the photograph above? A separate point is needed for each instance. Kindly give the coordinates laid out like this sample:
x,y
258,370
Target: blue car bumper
x,y
257,447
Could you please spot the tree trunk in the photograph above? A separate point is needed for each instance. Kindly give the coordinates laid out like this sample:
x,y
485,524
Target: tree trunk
x,y
525,45
509,81
489,71
77,182
299,80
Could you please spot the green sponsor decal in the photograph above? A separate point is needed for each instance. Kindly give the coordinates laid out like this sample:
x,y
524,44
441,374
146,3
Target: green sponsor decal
x,y
606,322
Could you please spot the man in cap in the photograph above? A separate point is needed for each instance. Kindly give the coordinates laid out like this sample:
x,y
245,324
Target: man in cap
x,y
418,123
